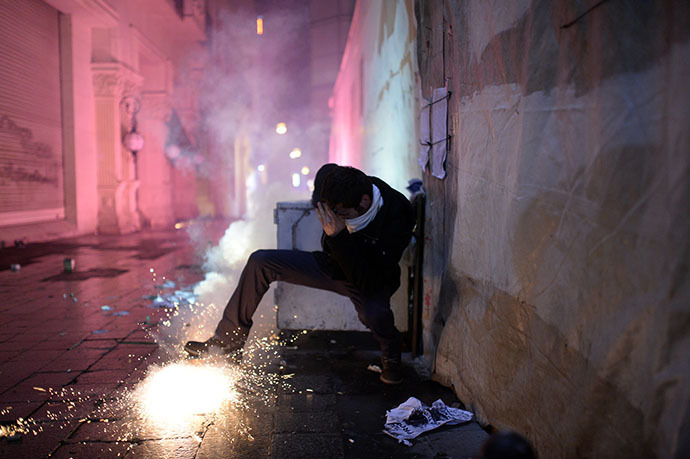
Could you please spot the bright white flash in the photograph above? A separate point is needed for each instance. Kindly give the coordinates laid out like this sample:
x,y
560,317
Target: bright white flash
x,y
173,394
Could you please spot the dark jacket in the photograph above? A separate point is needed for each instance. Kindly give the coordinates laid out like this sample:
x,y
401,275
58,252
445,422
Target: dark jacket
x,y
369,258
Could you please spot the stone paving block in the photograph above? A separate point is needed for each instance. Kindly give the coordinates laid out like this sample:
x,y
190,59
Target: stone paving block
x,y
140,335
9,354
307,401
255,405
463,441
8,333
222,444
134,429
89,391
138,348
320,422
319,384
72,336
87,354
103,430
35,356
58,345
165,449
335,340
355,379
65,365
32,446
380,445
300,445
100,450
63,411
91,342
37,387
117,332
10,412
102,377
135,376
15,372
246,421
361,413
122,358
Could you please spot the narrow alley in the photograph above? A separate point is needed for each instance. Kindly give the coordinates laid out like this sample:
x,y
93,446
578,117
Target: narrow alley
x,y
345,228
76,348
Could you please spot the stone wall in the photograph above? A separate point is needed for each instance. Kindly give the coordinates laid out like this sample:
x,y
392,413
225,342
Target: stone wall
x,y
557,300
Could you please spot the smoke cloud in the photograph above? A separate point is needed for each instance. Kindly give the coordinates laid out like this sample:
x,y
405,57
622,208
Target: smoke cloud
x,y
249,84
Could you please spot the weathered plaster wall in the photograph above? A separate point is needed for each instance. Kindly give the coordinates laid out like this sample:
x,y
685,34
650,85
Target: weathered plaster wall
x,y
557,300
375,99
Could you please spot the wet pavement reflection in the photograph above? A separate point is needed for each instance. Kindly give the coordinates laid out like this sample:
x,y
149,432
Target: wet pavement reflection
x,y
84,371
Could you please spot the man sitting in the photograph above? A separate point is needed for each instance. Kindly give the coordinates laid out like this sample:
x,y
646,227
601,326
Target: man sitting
x,y
366,227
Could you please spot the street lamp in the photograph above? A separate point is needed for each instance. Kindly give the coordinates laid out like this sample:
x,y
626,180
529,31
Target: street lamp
x,y
133,141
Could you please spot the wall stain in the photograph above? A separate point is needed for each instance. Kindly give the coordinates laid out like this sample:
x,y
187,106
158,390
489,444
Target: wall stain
x,y
524,361
622,36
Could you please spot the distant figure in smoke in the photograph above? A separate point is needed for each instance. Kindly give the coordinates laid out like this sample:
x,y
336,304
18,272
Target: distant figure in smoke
x,y
366,227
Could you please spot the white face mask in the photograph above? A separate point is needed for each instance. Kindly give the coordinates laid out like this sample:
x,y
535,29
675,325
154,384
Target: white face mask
x,y
358,223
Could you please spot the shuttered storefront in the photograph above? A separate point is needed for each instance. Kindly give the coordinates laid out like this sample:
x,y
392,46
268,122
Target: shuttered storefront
x,y
31,177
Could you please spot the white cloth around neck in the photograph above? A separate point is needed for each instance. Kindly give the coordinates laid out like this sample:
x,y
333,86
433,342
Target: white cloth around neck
x,y
356,224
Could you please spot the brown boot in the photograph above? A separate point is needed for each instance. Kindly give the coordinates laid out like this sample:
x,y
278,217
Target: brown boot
x,y
392,372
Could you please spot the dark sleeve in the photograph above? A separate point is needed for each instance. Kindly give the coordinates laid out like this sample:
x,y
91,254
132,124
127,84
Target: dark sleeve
x,y
370,267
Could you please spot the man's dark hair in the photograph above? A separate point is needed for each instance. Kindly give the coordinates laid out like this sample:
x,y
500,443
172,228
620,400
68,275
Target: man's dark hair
x,y
318,181
345,185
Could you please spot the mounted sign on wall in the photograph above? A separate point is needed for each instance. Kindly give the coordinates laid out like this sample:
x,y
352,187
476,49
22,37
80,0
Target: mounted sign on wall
x,y
434,138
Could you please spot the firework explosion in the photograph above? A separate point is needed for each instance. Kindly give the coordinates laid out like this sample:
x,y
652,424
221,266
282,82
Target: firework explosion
x,y
177,396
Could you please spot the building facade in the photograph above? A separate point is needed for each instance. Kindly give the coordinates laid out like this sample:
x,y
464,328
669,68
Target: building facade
x,y
98,115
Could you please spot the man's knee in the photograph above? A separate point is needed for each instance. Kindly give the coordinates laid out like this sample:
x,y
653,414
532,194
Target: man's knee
x,y
376,315
259,257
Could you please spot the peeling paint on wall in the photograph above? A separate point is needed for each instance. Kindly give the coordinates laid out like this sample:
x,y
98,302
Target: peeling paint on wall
x,y
556,264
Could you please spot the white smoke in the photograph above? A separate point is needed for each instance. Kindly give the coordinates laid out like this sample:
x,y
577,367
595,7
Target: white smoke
x,y
247,86
223,265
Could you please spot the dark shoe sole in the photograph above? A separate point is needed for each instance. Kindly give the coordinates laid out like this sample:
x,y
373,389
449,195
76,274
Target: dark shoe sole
x,y
192,352
391,381
234,353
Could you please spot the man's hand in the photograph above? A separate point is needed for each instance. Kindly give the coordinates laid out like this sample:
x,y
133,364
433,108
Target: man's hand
x,y
330,222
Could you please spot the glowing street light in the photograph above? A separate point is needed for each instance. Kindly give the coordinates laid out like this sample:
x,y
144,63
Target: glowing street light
x,y
281,128
261,168
305,170
295,153
296,180
260,25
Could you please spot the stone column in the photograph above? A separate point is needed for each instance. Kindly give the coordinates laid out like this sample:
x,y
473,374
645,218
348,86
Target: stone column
x,y
117,183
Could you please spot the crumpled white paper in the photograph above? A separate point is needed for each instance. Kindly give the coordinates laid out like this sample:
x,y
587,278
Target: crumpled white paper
x,y
412,418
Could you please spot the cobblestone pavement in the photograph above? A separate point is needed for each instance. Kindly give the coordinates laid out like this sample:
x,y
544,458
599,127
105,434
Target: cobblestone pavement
x,y
74,347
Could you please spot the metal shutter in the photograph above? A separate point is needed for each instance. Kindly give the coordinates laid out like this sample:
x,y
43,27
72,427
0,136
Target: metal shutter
x,y
31,178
